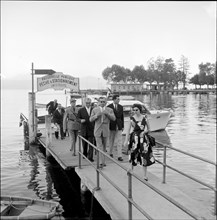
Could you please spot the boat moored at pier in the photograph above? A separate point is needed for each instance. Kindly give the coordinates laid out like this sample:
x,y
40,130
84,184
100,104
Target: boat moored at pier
x,y
13,207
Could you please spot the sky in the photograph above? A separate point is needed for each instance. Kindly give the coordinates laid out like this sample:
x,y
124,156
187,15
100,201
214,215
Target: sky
x,y
82,38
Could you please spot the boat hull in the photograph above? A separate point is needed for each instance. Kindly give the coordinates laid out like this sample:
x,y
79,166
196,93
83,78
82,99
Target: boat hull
x,y
27,208
158,120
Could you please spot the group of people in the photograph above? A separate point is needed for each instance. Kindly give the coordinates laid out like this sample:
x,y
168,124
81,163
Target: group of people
x,y
102,126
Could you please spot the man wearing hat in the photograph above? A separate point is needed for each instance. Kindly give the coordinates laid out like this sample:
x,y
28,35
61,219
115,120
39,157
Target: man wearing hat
x,y
72,123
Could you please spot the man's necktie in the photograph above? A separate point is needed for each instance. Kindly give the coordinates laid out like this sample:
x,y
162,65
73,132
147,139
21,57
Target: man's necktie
x,y
102,115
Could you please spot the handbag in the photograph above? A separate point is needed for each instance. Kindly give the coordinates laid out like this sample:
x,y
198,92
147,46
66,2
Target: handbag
x,y
151,160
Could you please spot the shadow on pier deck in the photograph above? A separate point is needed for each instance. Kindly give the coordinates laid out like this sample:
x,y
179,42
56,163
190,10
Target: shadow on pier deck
x,y
122,192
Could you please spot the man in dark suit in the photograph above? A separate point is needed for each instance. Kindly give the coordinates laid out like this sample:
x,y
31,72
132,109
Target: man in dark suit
x,y
51,106
58,121
87,128
116,127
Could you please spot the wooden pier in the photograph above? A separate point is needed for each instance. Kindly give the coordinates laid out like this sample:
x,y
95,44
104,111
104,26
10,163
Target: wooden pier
x,y
112,199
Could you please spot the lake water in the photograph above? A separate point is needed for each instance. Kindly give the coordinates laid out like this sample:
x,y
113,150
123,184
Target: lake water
x,y
192,129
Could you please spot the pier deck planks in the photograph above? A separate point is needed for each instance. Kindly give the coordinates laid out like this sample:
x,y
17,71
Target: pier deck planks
x,y
156,206
112,201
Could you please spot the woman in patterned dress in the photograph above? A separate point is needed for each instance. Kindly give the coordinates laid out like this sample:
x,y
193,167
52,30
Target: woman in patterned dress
x,y
139,142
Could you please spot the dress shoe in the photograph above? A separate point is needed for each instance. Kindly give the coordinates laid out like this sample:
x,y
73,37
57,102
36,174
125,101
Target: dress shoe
x,y
102,165
92,160
111,155
120,158
56,134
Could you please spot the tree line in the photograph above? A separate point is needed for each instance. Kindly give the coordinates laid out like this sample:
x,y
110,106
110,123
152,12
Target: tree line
x,y
164,71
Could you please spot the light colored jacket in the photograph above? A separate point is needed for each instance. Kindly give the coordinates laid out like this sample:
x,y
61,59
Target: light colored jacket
x,y
70,119
102,127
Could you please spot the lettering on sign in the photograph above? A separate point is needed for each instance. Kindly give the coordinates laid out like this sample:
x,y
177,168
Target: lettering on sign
x,y
57,81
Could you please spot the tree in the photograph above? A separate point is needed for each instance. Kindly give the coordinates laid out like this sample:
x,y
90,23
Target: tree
x,y
159,65
184,68
206,74
151,71
168,76
107,74
214,72
177,78
155,70
195,80
139,73
115,73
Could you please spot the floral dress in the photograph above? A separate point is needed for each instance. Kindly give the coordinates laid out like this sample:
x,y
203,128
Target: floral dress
x,y
140,145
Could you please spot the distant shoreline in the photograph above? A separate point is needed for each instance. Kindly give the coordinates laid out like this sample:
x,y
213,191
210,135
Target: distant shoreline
x,y
143,92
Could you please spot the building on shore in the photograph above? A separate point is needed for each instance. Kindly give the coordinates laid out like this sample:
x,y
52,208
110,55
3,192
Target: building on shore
x,y
136,87
126,87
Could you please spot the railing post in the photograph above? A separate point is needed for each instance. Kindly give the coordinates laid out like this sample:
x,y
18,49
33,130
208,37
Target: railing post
x,y
79,155
129,194
215,209
97,172
164,164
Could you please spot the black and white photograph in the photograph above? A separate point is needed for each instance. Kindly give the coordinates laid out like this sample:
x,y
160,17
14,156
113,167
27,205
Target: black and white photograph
x,y
108,110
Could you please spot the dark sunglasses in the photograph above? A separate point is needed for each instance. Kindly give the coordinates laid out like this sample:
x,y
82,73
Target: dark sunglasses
x,y
135,110
102,101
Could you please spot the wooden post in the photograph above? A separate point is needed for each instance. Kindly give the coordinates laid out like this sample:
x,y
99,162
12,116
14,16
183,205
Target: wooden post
x,y
32,119
48,131
26,135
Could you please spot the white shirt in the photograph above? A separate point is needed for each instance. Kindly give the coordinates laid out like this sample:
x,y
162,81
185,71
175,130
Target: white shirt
x,y
115,106
88,110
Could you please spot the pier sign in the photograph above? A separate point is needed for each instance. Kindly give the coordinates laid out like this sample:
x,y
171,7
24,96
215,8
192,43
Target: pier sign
x,y
58,81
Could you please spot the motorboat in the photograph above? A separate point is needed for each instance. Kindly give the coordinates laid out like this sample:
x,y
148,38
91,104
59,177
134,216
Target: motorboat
x,y
13,207
157,119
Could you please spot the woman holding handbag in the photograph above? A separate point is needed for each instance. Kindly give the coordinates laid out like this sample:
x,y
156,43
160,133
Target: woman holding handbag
x,y
140,143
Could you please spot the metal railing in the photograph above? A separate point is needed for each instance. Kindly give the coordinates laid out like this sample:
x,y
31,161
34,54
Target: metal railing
x,y
130,174
186,175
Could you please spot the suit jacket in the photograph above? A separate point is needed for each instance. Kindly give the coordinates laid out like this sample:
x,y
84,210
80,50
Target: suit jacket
x,y
58,116
51,107
87,127
119,114
101,128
